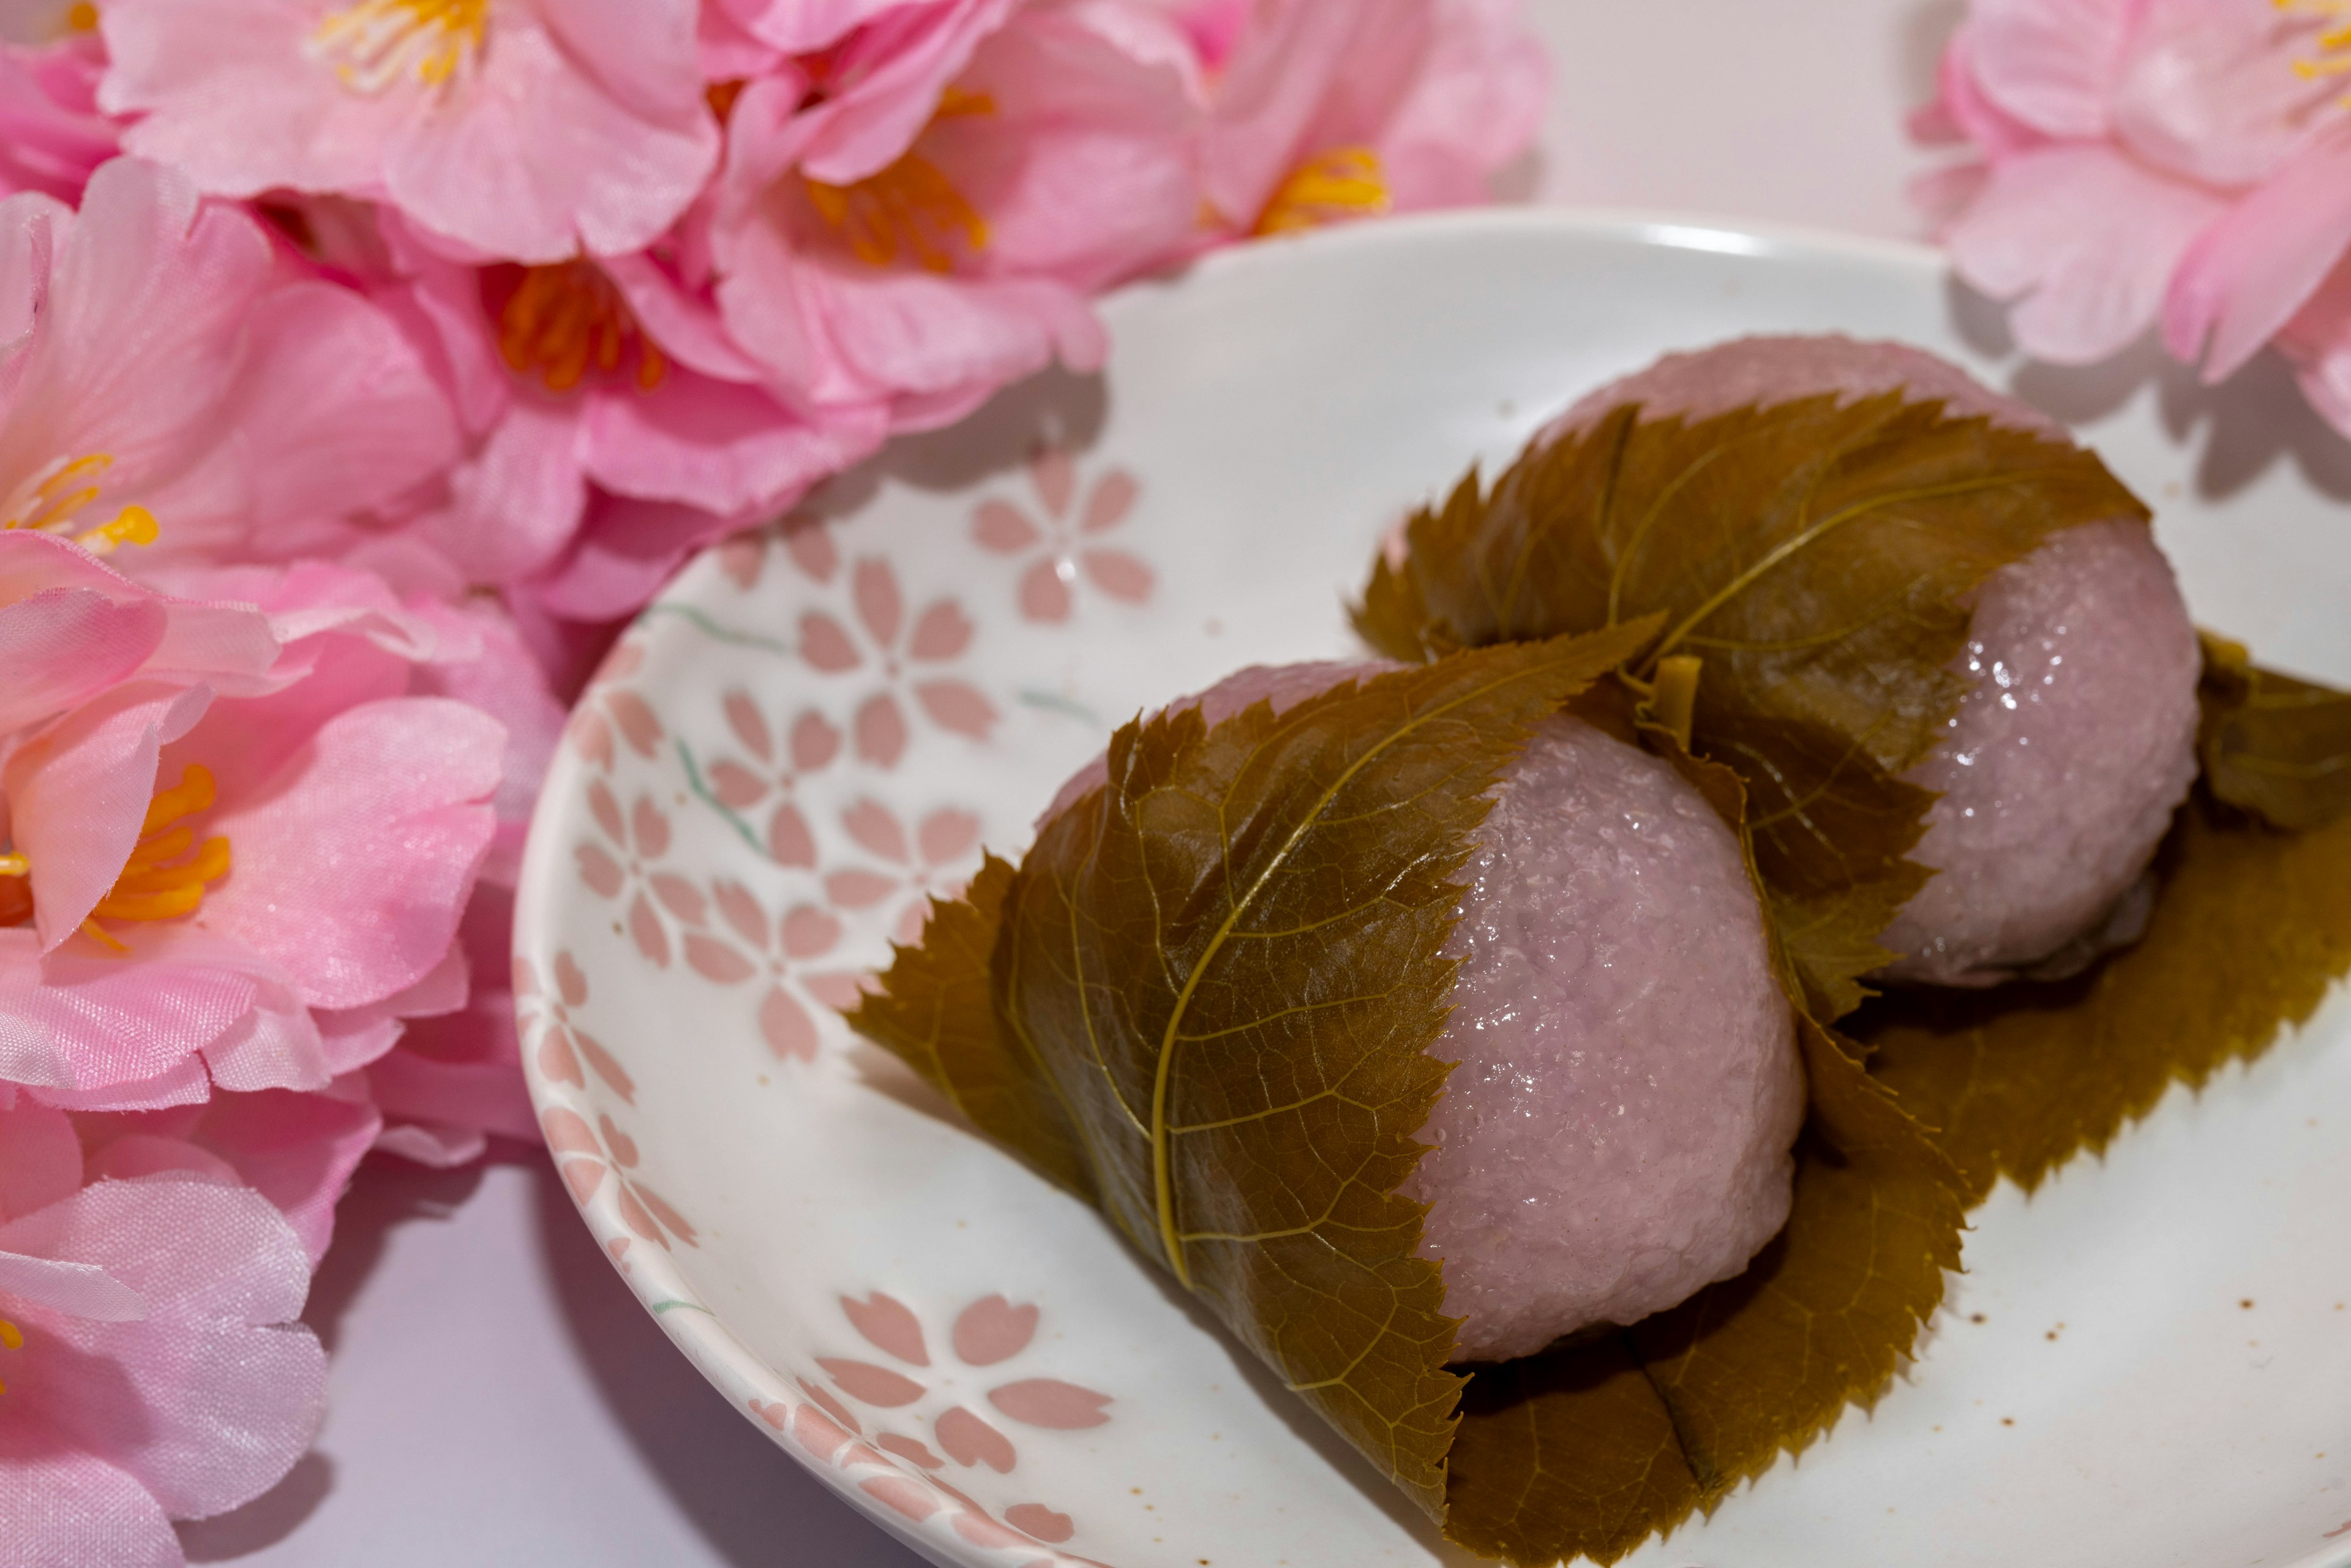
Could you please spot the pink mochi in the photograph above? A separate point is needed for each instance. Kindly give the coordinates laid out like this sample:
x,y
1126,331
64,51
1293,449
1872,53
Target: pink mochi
x,y
2076,740
1618,1132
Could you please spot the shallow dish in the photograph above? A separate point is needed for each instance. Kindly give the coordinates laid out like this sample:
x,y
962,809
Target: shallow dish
x,y
2148,1361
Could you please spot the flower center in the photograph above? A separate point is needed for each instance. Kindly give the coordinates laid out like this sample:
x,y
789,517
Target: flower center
x,y
561,319
11,1338
375,43
909,206
1330,187
81,16
2333,44
52,502
165,875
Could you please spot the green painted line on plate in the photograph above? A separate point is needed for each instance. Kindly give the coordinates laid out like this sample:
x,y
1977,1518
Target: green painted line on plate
x,y
702,791
712,629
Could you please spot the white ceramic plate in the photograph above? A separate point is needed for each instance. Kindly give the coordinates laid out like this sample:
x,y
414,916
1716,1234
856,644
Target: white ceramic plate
x,y
2147,1363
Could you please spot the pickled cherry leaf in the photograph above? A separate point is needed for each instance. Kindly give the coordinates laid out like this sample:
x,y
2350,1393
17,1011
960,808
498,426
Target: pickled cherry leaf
x,y
935,1012
1226,965
1820,558
2274,745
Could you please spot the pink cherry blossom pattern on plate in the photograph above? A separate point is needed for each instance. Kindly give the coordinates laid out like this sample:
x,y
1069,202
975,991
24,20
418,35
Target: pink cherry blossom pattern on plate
x,y
772,770
627,872
805,539
548,1028
930,861
585,1155
782,947
610,708
1045,593
901,649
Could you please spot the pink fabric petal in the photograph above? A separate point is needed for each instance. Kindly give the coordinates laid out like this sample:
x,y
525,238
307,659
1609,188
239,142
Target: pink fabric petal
x,y
78,795
63,1507
538,158
803,26
2088,236
77,1290
51,135
2051,63
2246,276
66,645
213,1395
727,449
2211,93
353,865
519,501
889,80
2318,341
40,1159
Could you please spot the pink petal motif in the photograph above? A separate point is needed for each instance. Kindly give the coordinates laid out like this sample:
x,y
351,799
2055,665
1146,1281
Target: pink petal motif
x,y
826,644
808,931
681,898
1043,595
634,1215
1113,496
858,889
742,910
812,547
743,557
605,1067
599,871
873,825
831,1406
790,842
750,726
1050,1403
715,961
639,726
911,1451
606,811
880,731
1119,575
839,992
814,742
669,1217
873,1385
1003,527
556,1060
567,1132
969,1440
651,828
954,705
888,1324
912,921
945,834
818,1433
591,735
646,929
982,1531
785,1026
569,982
623,1147
583,1177
902,1496
736,786
943,632
619,1248
992,1328
1040,1521
879,603
1056,478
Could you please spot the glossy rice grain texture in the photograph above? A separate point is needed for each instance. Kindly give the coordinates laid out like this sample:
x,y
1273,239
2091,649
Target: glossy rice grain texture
x,y
1617,1131
2076,740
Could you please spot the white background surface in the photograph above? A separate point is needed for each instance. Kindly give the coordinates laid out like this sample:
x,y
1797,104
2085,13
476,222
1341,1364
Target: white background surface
x,y
498,1397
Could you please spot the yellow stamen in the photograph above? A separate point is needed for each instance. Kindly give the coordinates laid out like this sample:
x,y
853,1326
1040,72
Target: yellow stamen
x,y
562,319
53,499
376,42
11,1338
1330,187
157,883
16,865
2331,43
80,17
909,206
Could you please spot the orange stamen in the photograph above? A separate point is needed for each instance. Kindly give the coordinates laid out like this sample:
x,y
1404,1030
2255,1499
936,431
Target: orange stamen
x,y
167,874
909,206
53,500
1330,187
564,320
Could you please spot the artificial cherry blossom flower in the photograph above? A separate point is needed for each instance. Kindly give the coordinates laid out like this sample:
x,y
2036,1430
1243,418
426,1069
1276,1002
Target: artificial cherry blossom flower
x,y
52,136
917,240
151,1367
529,130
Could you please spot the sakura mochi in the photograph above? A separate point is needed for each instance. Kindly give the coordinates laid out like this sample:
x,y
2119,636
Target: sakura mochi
x,y
1617,1131
2075,741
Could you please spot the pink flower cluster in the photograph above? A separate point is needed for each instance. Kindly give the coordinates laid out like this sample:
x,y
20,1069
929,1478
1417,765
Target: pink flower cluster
x,y
360,362
2180,162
